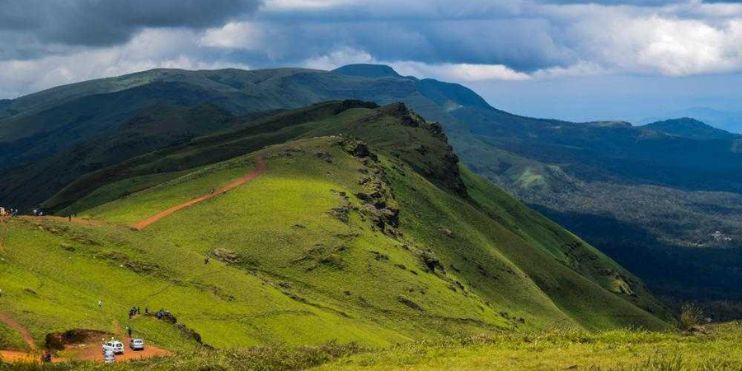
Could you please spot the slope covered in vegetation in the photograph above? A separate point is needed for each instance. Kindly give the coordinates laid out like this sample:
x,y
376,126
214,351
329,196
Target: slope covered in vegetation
x,y
364,228
652,200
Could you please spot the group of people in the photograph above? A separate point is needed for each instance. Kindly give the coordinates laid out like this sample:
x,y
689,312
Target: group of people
x,y
136,311
8,211
160,314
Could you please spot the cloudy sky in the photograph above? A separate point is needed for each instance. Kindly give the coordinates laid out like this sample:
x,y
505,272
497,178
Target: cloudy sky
x,y
571,59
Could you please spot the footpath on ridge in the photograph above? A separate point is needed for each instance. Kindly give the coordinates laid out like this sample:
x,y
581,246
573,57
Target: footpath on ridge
x,y
260,168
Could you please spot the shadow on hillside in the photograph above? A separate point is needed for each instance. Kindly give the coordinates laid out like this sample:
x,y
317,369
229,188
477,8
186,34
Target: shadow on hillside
x,y
685,274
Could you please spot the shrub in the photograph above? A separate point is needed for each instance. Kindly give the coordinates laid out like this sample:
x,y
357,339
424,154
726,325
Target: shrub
x,y
690,315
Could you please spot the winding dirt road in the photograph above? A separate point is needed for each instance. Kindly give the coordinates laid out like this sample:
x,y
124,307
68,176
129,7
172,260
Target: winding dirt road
x,y
260,168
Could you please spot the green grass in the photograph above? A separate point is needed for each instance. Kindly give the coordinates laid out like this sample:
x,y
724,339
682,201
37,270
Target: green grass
x,y
717,349
299,258
280,225
287,210
49,288
611,350
11,339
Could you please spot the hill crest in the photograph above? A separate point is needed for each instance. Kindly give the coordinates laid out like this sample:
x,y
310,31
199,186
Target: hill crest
x,y
687,127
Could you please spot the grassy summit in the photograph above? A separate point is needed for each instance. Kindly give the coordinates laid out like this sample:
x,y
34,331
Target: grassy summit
x,y
364,228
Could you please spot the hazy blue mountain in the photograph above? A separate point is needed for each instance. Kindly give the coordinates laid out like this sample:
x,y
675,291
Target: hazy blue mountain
x,y
367,70
689,128
726,120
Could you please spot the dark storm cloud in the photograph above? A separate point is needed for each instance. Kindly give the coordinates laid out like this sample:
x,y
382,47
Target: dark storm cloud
x,y
103,23
674,37
525,44
48,42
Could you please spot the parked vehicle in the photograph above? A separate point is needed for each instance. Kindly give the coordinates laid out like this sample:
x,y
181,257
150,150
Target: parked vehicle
x,y
115,346
108,356
136,344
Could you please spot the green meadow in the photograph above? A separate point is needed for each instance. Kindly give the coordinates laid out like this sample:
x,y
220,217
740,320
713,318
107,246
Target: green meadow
x,y
364,244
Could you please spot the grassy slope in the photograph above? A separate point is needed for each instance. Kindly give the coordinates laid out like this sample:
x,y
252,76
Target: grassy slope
x,y
301,275
622,350
264,214
280,224
537,160
716,349
432,211
50,288
10,339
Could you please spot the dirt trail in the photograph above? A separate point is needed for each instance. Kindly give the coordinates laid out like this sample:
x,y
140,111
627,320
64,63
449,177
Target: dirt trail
x,y
25,334
260,168
18,356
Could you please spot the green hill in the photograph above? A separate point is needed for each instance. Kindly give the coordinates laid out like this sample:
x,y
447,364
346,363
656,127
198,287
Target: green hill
x,y
651,200
364,228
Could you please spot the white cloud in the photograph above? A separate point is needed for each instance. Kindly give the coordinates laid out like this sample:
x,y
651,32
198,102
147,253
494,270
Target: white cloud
x,y
480,40
685,47
581,68
161,48
339,58
283,5
451,72
674,40
234,35
462,72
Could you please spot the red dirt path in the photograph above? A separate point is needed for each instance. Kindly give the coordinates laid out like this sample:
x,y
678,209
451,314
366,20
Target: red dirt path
x,y
25,334
260,168
18,356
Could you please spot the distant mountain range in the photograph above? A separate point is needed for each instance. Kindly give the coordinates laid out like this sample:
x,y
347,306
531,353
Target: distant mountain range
x,y
725,120
653,197
690,128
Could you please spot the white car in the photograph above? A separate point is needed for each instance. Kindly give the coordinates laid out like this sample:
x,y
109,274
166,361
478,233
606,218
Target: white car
x,y
114,345
136,344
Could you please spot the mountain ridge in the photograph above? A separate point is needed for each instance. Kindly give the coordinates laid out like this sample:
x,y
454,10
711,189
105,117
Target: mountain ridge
x,y
690,128
538,160
355,231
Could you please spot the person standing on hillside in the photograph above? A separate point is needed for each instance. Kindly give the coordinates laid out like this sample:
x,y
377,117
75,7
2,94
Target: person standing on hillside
x,y
100,304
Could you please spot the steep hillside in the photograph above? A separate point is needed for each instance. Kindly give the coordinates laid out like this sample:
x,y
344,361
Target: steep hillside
x,y
363,227
595,178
